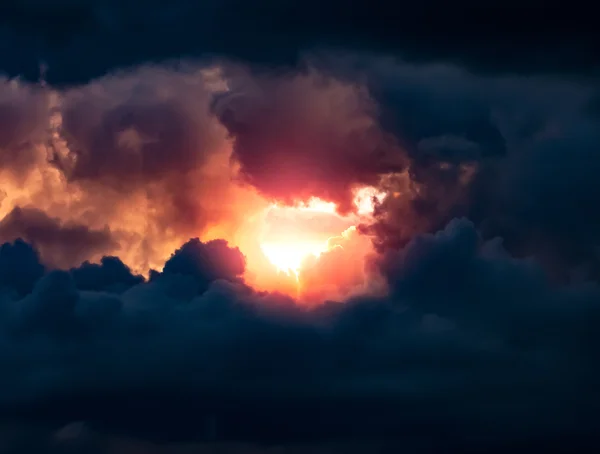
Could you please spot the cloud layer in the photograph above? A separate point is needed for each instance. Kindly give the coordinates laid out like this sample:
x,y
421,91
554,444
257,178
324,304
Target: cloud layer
x,y
468,338
84,39
472,320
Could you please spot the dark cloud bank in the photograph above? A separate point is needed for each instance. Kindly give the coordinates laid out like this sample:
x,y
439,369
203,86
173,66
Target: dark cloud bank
x,y
488,240
471,349
82,39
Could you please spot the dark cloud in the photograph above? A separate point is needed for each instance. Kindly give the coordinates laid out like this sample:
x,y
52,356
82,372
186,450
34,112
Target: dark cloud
x,y
24,119
204,263
77,438
487,237
471,348
459,145
60,243
20,267
82,40
110,275
544,203
307,136
515,155
138,128
149,133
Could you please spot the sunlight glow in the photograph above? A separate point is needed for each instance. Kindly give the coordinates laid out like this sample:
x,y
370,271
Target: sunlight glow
x,y
295,243
314,204
288,257
366,198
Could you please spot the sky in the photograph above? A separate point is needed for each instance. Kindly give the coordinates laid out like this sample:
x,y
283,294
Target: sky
x,y
288,227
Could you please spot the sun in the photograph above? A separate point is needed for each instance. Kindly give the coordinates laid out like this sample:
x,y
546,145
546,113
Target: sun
x,y
288,257
297,233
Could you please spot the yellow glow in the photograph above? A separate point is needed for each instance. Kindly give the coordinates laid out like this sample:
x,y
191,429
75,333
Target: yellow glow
x,y
364,199
288,254
314,204
288,250
288,257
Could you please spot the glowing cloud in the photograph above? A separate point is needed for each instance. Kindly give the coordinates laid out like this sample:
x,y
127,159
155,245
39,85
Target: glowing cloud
x,y
297,236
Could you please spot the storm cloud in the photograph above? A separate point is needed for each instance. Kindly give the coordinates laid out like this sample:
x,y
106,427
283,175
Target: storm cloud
x,y
307,136
464,317
468,338
84,39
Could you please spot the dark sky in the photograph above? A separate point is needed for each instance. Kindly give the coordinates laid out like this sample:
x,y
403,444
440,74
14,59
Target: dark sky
x,y
487,340
85,38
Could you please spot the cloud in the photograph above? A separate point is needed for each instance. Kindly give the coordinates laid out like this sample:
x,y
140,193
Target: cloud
x,y
76,438
175,142
110,275
547,191
468,338
481,331
205,263
139,127
24,114
306,136
336,273
60,244
83,40
150,130
493,149
20,267
133,163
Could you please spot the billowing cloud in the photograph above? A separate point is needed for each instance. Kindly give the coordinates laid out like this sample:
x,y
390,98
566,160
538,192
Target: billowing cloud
x,y
24,119
468,336
307,136
110,275
175,142
139,127
21,267
470,323
84,39
61,244
492,149
150,131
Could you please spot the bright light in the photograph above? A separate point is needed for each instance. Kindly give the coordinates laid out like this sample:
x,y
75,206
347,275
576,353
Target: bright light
x,y
318,205
365,199
298,240
288,257
314,204
295,233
